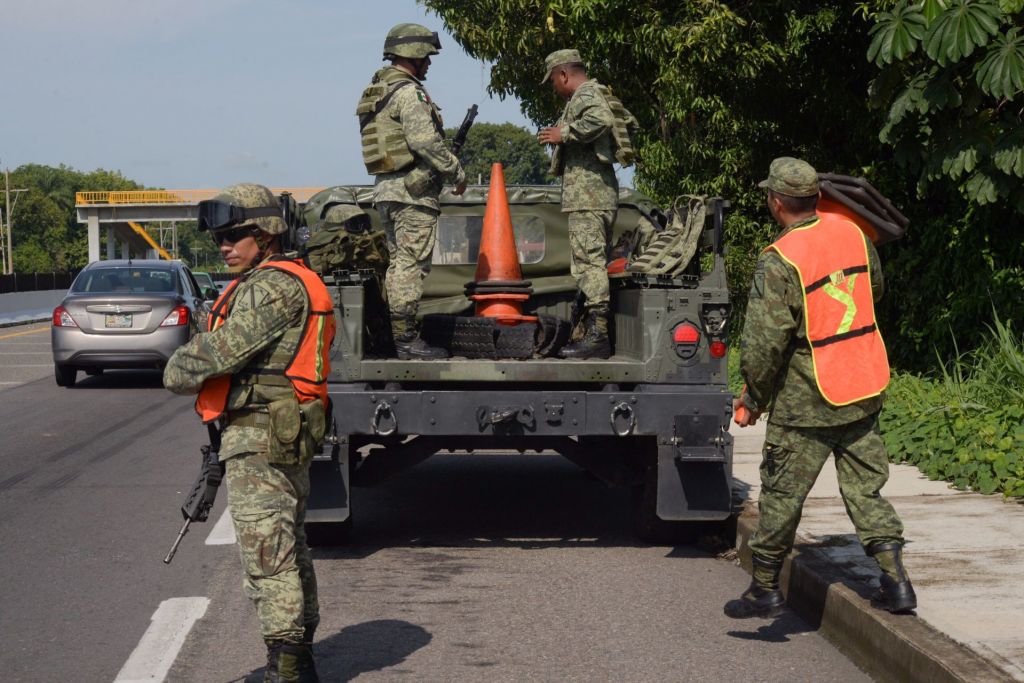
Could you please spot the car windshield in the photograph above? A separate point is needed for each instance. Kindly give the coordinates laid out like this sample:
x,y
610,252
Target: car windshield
x,y
204,279
125,279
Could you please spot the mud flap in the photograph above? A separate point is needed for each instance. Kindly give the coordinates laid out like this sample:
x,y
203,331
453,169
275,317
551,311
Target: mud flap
x,y
328,508
692,489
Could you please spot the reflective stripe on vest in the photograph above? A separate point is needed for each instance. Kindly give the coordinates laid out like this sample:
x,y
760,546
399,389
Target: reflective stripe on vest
x,y
308,368
831,258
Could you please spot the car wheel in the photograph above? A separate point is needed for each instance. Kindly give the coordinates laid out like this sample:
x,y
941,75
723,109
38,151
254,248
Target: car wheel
x,y
92,372
65,375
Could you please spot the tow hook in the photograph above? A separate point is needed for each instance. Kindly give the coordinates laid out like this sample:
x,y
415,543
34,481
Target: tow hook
x,y
623,413
385,415
486,416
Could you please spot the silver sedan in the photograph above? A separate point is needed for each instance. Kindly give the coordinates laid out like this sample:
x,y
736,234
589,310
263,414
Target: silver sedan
x,y
125,314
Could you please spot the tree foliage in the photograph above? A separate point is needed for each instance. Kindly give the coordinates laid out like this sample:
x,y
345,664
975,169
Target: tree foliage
x,y
952,89
516,148
719,89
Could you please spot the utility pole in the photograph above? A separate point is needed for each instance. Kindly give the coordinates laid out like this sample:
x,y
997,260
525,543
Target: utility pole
x,y
9,260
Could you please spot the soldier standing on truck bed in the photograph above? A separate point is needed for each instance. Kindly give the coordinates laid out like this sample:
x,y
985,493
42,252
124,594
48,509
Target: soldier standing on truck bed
x,y
261,372
811,349
403,146
592,133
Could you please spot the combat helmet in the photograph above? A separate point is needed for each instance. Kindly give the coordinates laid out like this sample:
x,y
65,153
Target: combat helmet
x,y
253,196
411,41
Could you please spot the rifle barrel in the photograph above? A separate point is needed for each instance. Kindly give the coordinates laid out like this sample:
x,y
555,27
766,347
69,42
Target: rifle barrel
x,y
177,541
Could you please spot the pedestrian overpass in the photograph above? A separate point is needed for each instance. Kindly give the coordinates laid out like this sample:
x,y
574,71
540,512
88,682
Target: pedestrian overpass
x,y
123,215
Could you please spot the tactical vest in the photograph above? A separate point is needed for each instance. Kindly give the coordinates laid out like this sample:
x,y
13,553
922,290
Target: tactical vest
x,y
384,147
624,122
623,146
831,257
305,370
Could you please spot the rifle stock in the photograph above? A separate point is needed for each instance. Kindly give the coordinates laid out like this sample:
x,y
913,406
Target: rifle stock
x,y
204,491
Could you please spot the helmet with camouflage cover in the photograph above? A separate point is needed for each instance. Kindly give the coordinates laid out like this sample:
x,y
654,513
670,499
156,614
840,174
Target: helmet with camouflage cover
x,y
252,196
412,41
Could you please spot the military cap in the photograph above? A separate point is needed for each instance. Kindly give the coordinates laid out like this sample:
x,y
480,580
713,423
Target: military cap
x,y
791,177
558,58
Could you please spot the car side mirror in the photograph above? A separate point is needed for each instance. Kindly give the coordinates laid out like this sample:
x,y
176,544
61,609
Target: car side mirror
x,y
211,293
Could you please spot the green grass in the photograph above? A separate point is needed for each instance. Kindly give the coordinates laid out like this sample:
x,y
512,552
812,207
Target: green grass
x,y
966,424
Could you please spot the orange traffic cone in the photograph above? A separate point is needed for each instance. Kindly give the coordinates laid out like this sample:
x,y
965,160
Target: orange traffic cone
x,y
499,290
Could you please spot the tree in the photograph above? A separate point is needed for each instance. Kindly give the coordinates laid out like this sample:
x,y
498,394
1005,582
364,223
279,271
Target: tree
x,y
952,89
524,161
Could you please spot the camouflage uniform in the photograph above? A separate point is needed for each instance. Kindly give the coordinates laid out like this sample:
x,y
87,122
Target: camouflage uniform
x,y
803,428
266,498
410,218
590,191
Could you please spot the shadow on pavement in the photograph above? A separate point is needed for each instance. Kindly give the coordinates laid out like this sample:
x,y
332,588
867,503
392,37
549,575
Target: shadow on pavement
x,y
528,502
361,648
776,631
120,379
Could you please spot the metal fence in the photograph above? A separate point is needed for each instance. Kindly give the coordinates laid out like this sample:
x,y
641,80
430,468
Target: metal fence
x,y
33,282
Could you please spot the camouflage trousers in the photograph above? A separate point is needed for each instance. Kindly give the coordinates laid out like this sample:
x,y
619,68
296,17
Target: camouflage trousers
x,y
791,461
268,506
589,232
411,231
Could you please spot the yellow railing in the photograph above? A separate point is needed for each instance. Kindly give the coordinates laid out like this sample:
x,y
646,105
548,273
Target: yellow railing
x,y
301,194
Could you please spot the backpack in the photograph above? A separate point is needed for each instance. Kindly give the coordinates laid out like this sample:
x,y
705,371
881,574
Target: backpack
x,y
671,250
332,248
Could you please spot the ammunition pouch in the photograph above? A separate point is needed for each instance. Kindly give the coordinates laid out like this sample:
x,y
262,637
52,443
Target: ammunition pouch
x,y
295,431
422,182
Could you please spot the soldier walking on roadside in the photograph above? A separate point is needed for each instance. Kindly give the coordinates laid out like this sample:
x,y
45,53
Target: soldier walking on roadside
x,y
403,146
592,133
260,371
812,351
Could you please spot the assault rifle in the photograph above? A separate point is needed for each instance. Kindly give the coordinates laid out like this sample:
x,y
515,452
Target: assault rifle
x,y
204,492
460,135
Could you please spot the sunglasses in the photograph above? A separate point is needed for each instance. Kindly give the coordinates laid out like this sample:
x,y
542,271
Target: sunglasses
x,y
234,235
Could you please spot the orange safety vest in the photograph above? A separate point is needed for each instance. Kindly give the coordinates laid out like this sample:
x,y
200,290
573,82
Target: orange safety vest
x,y
308,369
831,257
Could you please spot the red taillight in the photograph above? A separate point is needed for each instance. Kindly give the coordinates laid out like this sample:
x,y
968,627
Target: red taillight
x,y
179,316
61,318
685,333
717,349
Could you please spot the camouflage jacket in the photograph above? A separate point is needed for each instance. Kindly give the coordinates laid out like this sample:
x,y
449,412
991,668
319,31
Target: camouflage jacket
x,y
585,157
775,358
413,109
265,306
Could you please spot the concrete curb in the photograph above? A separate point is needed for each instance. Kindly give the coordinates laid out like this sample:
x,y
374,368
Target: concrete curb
x,y
888,647
24,321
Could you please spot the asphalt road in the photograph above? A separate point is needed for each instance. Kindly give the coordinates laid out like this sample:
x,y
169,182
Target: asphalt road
x,y
465,568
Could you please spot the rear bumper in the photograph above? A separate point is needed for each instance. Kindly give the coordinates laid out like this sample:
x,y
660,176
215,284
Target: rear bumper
x,y
676,414
71,346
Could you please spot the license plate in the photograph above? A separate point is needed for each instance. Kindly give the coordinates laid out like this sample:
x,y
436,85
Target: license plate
x,y
119,320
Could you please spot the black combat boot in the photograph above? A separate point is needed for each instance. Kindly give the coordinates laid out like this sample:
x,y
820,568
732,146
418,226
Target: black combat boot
x,y
408,343
763,598
289,663
595,343
895,593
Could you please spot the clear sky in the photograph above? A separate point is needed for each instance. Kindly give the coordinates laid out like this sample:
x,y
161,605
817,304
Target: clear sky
x,y
205,93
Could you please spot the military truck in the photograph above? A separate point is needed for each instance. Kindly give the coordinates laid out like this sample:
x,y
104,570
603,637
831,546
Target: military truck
x,y
653,417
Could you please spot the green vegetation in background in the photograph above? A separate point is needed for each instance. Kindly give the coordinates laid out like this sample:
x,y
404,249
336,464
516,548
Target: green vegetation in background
x,y
47,236
933,121
967,425
524,161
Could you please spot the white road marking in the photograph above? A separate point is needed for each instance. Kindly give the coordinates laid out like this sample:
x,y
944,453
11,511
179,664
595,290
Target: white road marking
x,y
156,652
223,532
